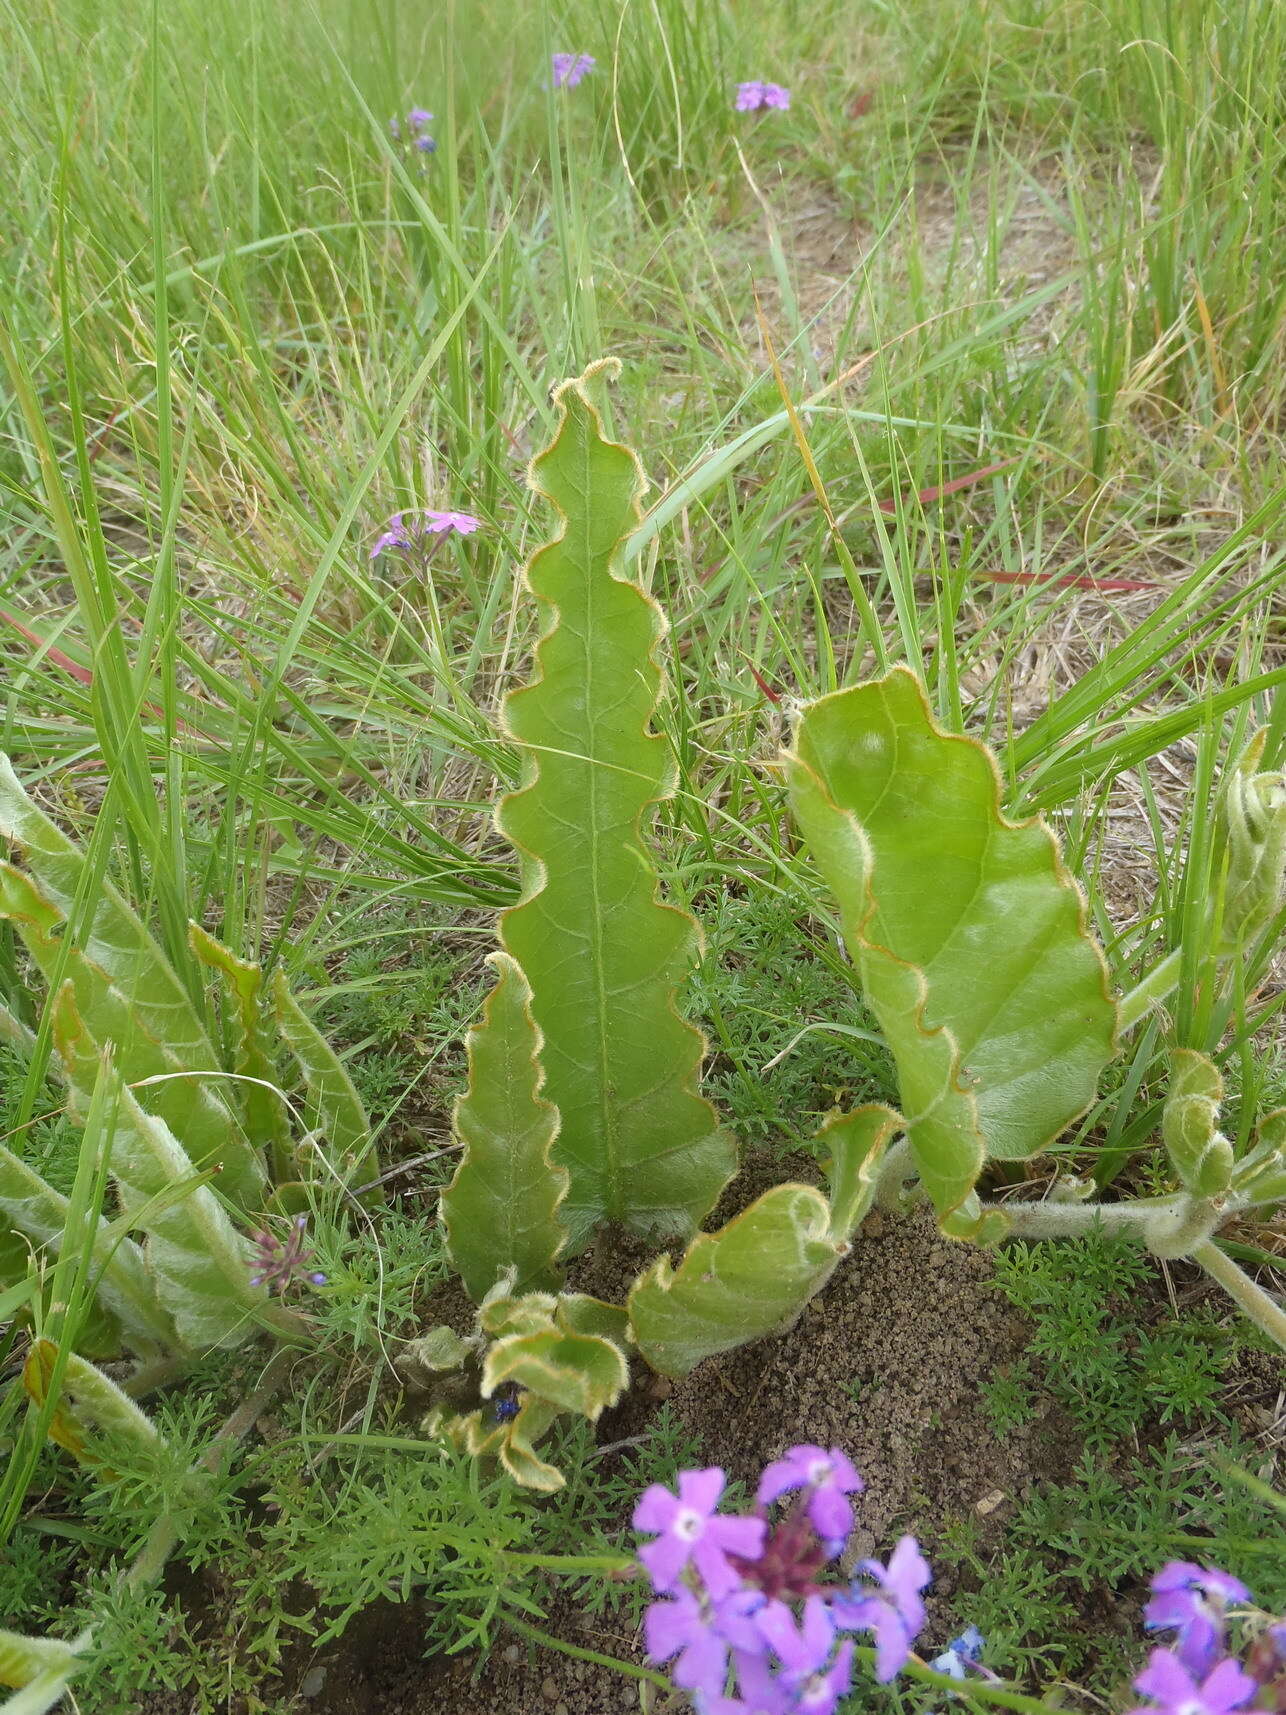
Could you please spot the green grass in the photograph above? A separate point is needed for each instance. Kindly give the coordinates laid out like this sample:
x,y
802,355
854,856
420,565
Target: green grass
x,y
241,326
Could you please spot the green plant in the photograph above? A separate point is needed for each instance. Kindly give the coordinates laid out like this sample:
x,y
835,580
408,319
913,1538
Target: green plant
x,y
971,944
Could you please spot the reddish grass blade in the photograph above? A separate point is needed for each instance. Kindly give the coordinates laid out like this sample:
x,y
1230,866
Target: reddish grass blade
x,y
79,673
925,495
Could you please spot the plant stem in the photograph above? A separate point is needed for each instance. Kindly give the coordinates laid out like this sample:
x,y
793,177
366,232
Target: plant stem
x,y
607,1563
1068,1220
164,1535
551,1642
1160,981
1263,1310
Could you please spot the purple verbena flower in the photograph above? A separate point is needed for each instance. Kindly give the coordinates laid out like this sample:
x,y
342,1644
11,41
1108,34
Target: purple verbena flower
x,y
828,1478
569,69
688,1531
1192,1600
418,118
438,523
1174,1689
754,96
278,1263
426,145
681,1625
893,1609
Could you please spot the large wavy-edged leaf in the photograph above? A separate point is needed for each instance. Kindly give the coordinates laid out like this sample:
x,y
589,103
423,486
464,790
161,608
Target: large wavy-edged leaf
x,y
753,1277
263,1109
334,1106
501,1208
125,1289
197,1258
125,988
968,934
38,1669
89,1404
603,956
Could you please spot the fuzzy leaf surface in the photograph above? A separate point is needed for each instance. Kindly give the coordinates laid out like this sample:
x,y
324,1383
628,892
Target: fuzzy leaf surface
x,y
125,1289
501,1208
855,1144
195,1255
968,934
583,1373
753,1277
89,1403
602,954
125,987
26,1662
334,1106
262,1108
1200,1153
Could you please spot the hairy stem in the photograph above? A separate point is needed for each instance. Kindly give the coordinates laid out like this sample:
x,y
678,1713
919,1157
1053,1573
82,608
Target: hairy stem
x,y
1263,1310
164,1535
1050,1220
896,1173
1160,981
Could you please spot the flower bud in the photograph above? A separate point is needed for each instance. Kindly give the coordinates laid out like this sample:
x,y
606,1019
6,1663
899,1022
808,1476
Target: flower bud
x,y
1254,815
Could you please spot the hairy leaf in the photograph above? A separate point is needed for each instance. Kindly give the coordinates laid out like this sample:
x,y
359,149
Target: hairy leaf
x,y
501,1208
1201,1154
967,932
89,1404
751,1278
603,956
262,1106
855,1144
512,1441
199,1261
1261,1174
124,1287
125,988
40,1665
334,1106
583,1373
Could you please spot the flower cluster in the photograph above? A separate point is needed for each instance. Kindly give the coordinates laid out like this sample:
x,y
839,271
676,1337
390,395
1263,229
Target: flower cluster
x,y
741,1609
414,128
409,529
569,69
1199,1674
278,1263
754,97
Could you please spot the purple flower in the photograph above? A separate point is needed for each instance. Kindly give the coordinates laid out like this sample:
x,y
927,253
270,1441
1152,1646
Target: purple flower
x,y
800,1648
894,1610
1192,1600
752,97
1174,1689
277,1263
395,130
569,69
688,1531
681,1626
418,118
828,1477
426,145
403,527
463,523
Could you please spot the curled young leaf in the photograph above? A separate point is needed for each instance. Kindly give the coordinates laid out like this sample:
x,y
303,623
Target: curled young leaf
x,y
753,1277
968,933
1254,818
89,1403
1199,1152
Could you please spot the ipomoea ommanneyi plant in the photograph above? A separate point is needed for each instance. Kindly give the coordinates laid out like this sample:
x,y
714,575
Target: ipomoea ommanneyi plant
x,y
582,1109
